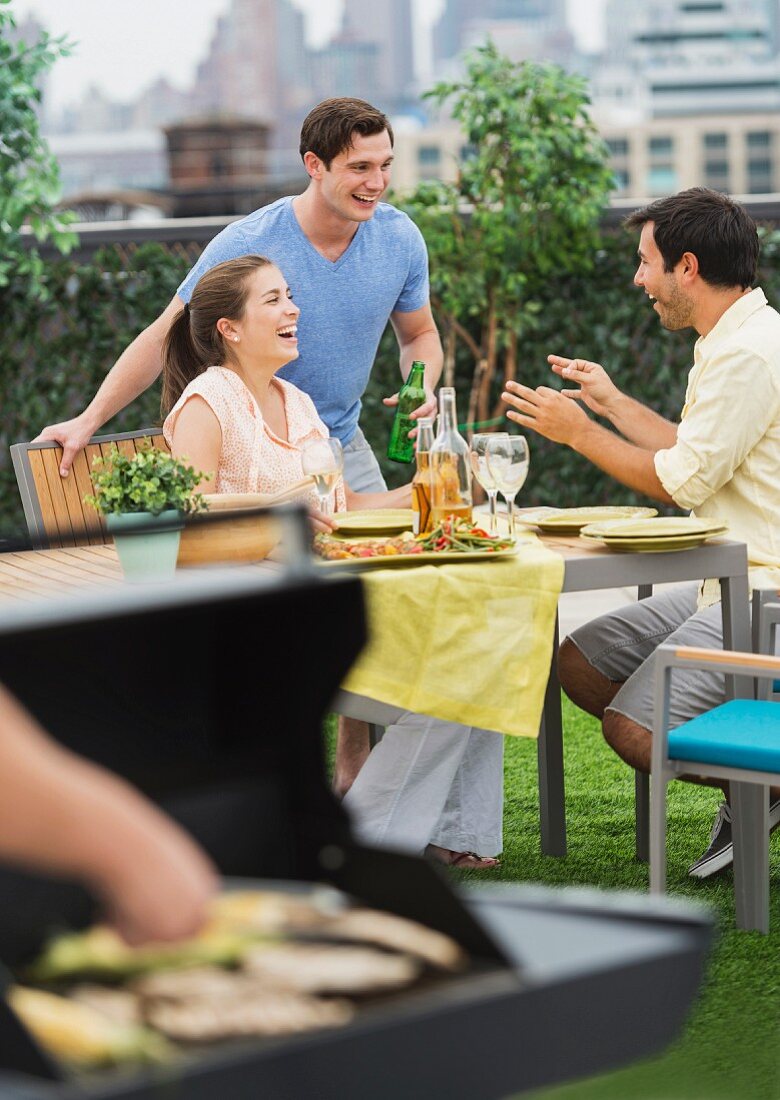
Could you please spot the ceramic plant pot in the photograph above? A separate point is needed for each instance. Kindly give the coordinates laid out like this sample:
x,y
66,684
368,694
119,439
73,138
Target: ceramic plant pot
x,y
146,555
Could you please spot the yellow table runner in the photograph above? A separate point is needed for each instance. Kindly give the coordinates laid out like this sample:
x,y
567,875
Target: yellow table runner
x,y
467,642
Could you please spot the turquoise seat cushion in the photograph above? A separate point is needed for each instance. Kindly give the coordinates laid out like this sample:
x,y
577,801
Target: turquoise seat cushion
x,y
743,733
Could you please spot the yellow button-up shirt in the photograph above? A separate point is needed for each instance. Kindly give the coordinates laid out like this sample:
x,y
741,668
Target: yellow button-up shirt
x,y
725,464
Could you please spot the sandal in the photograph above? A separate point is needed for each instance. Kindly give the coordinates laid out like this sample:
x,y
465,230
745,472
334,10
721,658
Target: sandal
x,y
462,859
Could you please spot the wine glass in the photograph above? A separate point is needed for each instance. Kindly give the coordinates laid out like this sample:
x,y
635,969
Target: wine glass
x,y
507,461
323,460
479,468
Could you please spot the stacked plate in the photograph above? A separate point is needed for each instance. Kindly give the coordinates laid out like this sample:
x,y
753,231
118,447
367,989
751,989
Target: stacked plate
x,y
374,522
568,521
657,534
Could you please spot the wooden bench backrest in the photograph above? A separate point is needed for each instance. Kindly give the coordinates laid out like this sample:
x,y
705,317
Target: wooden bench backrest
x,y
54,506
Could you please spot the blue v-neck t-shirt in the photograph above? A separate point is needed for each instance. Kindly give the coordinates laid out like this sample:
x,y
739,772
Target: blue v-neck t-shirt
x,y
345,305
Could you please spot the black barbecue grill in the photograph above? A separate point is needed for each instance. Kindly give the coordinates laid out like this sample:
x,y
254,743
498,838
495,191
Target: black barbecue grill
x,y
560,984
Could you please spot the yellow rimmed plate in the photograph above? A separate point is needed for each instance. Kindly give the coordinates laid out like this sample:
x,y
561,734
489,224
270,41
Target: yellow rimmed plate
x,y
426,557
374,522
653,535
571,520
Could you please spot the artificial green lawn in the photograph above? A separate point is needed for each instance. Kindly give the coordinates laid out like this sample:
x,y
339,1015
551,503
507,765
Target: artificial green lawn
x,y
730,1049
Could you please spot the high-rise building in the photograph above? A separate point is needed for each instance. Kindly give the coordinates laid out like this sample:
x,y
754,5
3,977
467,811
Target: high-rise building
x,y
345,67
534,27
389,28
255,64
690,57
688,92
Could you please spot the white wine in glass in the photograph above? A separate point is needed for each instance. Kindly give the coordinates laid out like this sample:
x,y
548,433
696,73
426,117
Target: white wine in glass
x,y
507,460
479,468
323,461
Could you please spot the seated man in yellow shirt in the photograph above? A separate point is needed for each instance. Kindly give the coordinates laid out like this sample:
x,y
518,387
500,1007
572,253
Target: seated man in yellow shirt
x,y
698,254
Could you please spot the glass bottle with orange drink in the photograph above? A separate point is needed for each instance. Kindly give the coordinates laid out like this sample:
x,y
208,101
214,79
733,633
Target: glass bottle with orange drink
x,y
450,467
421,482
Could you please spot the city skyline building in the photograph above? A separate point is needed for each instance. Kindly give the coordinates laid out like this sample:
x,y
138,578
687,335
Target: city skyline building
x,y
390,30
343,66
255,64
462,25
688,92
687,57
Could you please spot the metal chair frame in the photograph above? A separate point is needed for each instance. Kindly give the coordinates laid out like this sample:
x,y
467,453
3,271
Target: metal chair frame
x,y
748,789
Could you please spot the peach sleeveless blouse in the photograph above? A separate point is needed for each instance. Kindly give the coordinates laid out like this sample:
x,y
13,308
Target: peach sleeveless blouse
x,y
253,458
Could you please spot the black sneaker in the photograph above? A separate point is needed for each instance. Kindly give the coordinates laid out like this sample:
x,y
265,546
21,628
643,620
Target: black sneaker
x,y
720,851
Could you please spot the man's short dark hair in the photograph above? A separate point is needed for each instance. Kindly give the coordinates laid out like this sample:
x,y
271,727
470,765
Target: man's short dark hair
x,y
717,230
329,129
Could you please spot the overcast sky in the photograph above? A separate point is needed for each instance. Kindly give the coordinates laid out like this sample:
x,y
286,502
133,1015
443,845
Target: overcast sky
x,y
122,45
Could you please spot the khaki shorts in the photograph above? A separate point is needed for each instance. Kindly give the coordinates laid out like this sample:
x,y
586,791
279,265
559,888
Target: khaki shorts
x,y
361,469
621,646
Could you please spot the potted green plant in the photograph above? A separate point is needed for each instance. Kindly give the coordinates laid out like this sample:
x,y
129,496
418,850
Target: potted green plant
x,y
144,497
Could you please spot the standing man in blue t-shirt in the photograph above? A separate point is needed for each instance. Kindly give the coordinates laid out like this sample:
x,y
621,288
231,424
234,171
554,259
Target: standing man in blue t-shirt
x,y
353,264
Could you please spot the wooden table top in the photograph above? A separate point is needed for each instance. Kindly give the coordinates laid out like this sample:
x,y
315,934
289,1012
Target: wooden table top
x,y
32,574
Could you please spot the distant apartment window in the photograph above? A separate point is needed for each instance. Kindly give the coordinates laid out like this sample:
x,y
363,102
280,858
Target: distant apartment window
x,y
467,152
428,154
622,179
716,174
759,139
716,141
661,179
663,145
618,147
759,176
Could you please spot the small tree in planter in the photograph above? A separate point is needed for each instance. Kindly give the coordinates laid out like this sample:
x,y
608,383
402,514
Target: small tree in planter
x,y
144,497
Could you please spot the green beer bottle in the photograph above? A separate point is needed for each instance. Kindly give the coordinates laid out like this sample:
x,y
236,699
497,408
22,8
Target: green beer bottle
x,y
410,397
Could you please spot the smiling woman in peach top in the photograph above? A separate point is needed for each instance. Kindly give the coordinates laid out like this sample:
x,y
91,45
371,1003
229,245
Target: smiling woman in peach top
x,y
428,786
223,406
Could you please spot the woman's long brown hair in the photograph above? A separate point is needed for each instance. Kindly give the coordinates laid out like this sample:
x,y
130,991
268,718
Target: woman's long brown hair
x,y
193,343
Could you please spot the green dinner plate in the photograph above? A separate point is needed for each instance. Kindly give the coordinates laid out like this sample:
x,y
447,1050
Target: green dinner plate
x,y
566,520
650,545
427,557
374,521
659,527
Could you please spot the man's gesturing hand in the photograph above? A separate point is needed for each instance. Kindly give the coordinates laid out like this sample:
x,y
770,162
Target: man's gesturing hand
x,y
545,411
597,390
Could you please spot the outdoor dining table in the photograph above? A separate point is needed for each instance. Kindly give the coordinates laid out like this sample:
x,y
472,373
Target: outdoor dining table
x,y
588,566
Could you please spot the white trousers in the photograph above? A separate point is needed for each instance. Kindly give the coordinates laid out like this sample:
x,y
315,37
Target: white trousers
x,y
431,782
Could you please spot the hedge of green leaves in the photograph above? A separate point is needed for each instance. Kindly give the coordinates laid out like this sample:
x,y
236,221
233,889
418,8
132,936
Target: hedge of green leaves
x,y
54,354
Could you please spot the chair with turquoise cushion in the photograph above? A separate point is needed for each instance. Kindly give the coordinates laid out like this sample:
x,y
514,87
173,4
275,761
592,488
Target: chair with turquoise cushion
x,y
738,741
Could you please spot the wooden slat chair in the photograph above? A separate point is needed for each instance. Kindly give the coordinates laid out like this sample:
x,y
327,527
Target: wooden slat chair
x,y
739,741
54,507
